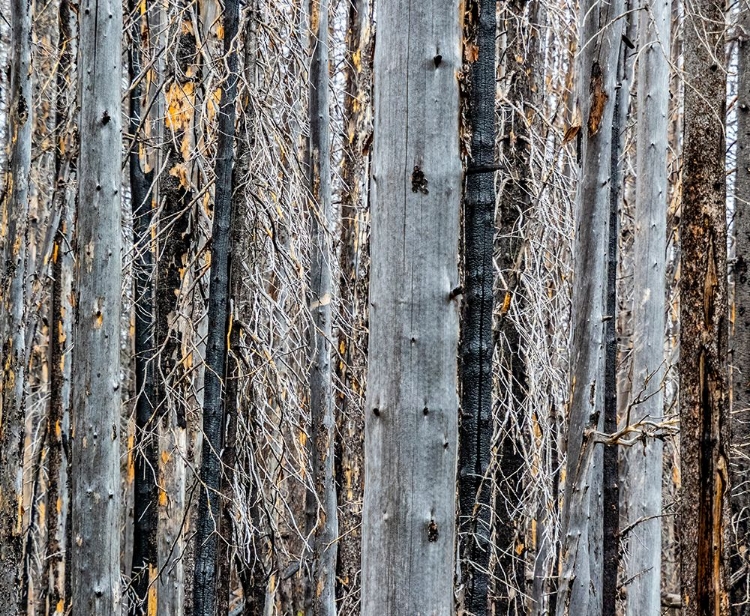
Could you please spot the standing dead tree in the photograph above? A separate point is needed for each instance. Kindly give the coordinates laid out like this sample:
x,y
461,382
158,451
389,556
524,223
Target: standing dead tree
x,y
13,232
703,397
411,429
95,407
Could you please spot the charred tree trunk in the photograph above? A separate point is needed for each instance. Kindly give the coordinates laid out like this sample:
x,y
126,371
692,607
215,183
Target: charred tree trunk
x,y
580,585
322,591
95,406
56,564
740,428
14,219
703,315
474,486
411,418
173,246
644,459
145,556
205,582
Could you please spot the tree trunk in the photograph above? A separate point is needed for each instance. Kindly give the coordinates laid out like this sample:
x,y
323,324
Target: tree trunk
x,y
740,428
644,459
580,586
95,406
14,221
56,567
322,590
352,291
411,419
173,247
474,484
703,315
145,509
204,583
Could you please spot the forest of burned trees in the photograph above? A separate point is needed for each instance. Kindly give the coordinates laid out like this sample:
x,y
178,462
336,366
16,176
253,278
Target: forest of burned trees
x,y
378,307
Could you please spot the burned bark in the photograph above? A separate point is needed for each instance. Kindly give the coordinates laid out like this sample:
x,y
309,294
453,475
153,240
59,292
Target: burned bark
x,y
703,316
204,584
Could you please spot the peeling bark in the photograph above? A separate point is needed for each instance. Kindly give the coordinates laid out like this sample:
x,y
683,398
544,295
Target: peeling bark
x,y
703,317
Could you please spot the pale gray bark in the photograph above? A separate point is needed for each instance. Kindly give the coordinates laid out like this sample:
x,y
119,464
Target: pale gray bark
x,y
95,409
322,591
644,459
412,406
580,585
13,232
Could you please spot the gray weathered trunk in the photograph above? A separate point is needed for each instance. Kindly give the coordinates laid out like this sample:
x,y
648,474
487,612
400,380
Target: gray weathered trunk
x,y
580,586
740,428
323,424
644,459
14,217
411,417
95,416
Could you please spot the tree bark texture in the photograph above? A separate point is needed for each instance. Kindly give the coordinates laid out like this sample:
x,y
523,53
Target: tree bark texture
x,y
14,235
703,315
55,568
205,582
411,427
95,429
323,521
173,247
474,486
740,343
145,500
580,585
352,292
644,459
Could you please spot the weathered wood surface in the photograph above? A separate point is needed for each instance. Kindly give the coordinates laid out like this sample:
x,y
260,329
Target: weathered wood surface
x,y
323,522
13,233
95,407
412,406
644,459
580,584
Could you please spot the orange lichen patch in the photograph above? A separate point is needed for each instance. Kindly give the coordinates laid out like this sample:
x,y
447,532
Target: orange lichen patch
x,y
165,456
180,99
163,500
98,314
60,607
